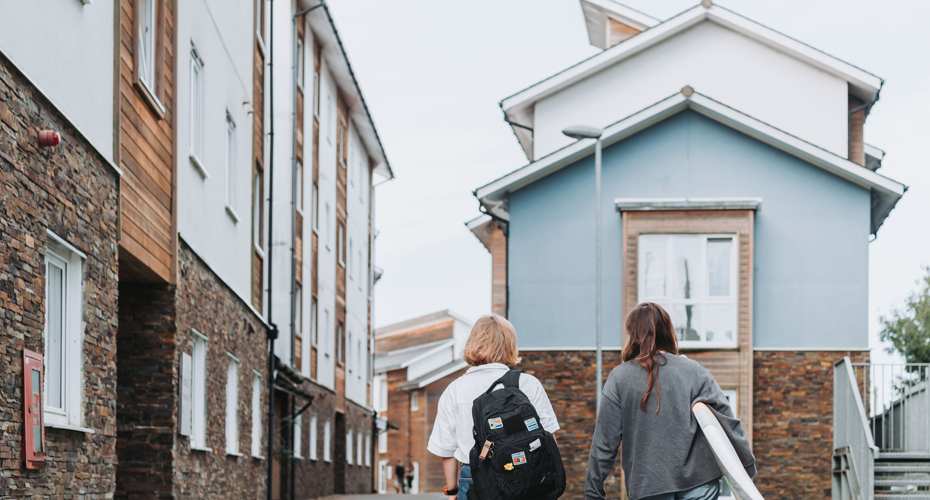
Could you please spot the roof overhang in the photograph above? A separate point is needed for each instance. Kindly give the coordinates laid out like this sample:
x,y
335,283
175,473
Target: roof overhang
x,y
440,345
439,373
321,22
519,108
597,12
885,192
666,204
873,157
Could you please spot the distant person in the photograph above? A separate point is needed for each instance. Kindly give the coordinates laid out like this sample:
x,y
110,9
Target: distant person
x,y
409,476
491,350
646,406
399,477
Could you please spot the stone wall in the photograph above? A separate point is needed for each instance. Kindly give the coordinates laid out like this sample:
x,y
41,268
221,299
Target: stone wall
x,y
70,190
147,391
569,379
206,304
793,421
358,477
314,477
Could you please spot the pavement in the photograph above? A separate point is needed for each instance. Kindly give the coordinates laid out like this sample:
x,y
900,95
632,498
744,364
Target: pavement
x,y
425,496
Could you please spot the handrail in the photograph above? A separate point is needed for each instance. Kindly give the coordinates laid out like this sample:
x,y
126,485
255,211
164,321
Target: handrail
x,y
851,428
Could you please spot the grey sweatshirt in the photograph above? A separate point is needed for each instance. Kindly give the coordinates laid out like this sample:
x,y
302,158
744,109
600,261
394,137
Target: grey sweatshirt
x,y
663,452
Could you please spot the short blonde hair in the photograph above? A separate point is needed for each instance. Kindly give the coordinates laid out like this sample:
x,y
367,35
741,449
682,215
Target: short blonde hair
x,y
492,340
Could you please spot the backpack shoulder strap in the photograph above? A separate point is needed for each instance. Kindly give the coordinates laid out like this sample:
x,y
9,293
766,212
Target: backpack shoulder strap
x,y
510,379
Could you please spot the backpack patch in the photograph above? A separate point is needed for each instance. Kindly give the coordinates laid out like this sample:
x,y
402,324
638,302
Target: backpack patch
x,y
519,458
531,424
495,423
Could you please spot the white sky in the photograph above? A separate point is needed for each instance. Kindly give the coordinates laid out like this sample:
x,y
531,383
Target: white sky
x,y
433,72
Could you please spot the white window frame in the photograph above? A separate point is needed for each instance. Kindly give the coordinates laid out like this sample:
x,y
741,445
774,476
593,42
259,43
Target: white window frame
x,y
314,331
705,299
257,414
360,448
349,444
368,449
316,94
415,401
349,260
299,309
200,345
358,358
298,437
147,26
348,348
315,206
299,186
196,112
314,423
328,232
231,167
340,243
383,442
69,415
257,201
232,405
299,63
327,440
326,329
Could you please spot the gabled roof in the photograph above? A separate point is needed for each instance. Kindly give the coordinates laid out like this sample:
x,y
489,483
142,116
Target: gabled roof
x,y
885,192
596,13
402,358
441,372
420,322
518,108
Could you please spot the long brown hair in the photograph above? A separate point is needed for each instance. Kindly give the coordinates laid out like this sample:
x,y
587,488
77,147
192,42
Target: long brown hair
x,y
650,330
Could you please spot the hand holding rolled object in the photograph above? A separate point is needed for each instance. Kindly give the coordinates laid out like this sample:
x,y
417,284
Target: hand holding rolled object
x,y
725,454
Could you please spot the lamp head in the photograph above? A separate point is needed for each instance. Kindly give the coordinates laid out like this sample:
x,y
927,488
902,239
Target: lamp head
x,y
583,132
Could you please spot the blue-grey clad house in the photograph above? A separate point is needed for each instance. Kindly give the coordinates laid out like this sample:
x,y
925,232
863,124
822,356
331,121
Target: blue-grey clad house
x,y
737,192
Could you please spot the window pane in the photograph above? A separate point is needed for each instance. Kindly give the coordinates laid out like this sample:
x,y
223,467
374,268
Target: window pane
x,y
718,266
315,206
55,341
257,209
686,275
652,266
230,161
313,329
720,323
686,320
36,423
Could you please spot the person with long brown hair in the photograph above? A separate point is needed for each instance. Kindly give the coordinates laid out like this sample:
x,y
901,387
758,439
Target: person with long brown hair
x,y
646,406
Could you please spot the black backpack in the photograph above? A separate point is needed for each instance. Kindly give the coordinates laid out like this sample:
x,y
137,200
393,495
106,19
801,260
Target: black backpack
x,y
514,458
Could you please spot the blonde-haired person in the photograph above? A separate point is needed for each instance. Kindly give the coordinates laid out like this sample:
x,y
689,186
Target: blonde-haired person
x,y
491,350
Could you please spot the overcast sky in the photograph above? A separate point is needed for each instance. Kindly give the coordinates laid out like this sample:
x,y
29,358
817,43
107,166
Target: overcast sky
x,y
433,72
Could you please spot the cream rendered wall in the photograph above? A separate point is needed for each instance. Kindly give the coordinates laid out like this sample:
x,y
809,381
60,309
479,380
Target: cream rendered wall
x,y
223,39
357,203
69,58
326,278
717,62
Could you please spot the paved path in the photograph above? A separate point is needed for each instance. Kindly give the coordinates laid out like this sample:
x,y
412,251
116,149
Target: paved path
x,y
427,496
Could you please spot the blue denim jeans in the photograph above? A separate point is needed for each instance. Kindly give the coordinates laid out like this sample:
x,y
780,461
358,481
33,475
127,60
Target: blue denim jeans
x,y
464,482
707,491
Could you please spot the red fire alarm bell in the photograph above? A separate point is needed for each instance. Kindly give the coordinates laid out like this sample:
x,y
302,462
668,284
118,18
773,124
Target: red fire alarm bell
x,y
33,413
49,138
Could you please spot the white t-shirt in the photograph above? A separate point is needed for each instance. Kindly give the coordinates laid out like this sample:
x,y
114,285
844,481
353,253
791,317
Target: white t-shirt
x,y
452,432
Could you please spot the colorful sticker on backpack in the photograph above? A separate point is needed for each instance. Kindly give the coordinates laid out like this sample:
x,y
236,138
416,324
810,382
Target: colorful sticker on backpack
x,y
519,458
495,423
531,424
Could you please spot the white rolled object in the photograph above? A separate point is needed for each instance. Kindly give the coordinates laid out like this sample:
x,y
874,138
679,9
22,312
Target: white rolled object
x,y
725,454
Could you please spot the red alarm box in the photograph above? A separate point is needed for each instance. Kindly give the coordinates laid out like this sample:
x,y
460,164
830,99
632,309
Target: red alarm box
x,y
33,411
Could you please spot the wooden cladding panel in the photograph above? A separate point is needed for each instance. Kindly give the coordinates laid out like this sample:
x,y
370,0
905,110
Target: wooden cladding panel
x,y
619,32
498,252
431,333
856,132
731,367
341,136
258,161
146,146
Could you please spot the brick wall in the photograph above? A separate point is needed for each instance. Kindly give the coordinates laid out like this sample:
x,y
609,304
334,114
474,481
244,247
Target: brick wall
x,y
70,190
358,477
147,391
793,422
206,304
569,379
314,478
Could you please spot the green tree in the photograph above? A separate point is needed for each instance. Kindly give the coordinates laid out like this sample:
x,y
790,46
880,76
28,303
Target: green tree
x,y
908,329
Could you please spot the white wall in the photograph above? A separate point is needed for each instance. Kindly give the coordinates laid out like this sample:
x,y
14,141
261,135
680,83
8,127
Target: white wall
x,y
223,38
66,49
722,64
326,263
357,204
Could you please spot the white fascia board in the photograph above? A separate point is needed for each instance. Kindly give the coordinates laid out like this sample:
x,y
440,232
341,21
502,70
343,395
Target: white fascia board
x,y
660,204
428,353
867,83
439,375
494,192
478,222
874,152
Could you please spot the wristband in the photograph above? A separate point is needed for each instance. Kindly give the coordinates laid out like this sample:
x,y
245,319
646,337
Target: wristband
x,y
450,492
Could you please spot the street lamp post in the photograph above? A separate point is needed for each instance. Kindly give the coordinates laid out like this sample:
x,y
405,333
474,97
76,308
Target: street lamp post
x,y
587,132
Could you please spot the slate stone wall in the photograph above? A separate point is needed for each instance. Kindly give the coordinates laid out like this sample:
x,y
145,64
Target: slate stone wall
x,y
70,190
793,421
206,304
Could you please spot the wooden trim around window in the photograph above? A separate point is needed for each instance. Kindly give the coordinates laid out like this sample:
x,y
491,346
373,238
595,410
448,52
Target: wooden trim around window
x,y
731,367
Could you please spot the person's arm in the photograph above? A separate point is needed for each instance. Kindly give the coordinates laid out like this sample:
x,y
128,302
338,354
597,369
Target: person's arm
x,y
607,437
712,395
450,469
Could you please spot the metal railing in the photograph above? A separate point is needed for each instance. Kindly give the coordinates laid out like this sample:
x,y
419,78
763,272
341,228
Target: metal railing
x,y
896,398
853,444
